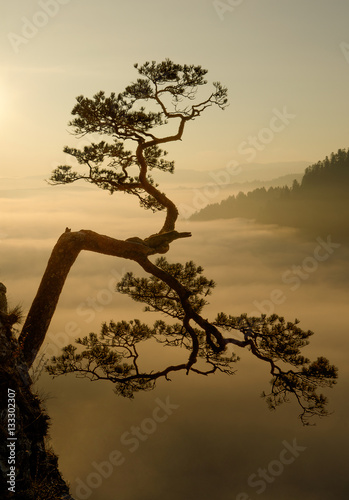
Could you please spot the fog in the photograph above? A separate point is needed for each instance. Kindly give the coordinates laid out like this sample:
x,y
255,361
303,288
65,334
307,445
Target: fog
x,y
217,434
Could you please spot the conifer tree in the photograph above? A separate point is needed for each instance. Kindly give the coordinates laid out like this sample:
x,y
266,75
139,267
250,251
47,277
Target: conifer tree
x,y
132,126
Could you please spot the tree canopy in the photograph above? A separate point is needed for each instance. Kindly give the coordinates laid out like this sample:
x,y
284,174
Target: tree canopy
x,y
170,91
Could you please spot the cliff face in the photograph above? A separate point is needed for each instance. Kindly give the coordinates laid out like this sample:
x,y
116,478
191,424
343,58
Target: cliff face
x,y
28,470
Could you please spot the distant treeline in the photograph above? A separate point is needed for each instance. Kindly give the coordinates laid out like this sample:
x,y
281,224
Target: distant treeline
x,y
319,203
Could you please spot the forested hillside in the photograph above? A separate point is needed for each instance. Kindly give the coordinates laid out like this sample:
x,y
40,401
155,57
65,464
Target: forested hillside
x,y
319,203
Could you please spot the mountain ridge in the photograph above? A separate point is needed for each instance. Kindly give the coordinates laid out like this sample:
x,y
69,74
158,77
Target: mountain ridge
x,y
318,203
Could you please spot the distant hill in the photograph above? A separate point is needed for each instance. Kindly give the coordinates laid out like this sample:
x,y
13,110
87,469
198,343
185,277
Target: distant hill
x,y
318,203
224,176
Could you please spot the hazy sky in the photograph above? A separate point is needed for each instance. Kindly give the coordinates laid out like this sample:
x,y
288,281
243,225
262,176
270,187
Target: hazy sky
x,y
290,58
286,65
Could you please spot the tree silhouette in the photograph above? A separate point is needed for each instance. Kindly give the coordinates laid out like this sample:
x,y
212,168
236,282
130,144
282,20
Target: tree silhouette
x,y
172,92
317,205
113,355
